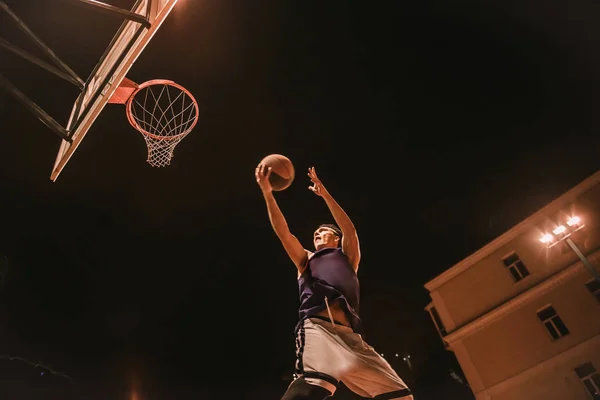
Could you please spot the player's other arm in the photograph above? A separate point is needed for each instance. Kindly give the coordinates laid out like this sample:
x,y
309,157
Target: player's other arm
x,y
350,244
290,243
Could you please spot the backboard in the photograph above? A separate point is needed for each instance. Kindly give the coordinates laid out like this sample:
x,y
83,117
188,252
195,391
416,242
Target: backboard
x,y
130,40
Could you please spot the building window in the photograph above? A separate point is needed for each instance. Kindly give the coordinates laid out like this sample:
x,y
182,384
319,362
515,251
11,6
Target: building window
x,y
590,379
516,267
437,321
555,326
594,288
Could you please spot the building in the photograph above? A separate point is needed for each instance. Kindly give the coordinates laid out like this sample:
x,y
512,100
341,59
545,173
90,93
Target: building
x,y
522,314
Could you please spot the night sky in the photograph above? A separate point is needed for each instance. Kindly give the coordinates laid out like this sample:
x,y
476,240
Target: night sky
x,y
437,125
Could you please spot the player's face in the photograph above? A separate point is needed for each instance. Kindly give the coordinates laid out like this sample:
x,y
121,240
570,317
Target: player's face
x,y
325,237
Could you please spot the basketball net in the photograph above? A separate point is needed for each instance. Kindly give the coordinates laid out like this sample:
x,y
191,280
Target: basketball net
x,y
163,111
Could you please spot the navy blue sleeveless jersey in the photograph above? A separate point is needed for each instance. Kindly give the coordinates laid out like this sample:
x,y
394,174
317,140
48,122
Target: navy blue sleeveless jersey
x,y
329,274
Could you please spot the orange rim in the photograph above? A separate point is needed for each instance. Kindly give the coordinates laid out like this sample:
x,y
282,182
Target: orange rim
x,y
153,82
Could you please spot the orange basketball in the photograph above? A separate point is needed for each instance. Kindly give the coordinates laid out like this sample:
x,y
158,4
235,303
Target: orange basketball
x,y
282,171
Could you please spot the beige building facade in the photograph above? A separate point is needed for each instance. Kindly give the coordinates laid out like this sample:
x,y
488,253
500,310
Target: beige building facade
x,y
522,314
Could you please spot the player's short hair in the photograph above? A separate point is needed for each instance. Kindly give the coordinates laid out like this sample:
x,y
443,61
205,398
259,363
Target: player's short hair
x,y
334,228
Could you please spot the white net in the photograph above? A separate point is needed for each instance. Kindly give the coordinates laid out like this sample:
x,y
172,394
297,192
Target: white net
x,y
164,112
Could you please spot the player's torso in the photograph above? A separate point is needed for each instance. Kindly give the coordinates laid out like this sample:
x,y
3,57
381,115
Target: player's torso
x,y
331,267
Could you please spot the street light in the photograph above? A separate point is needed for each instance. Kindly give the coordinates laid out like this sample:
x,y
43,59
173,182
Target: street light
x,y
563,233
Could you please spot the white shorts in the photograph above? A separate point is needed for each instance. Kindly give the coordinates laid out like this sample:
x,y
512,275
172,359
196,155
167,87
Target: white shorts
x,y
326,355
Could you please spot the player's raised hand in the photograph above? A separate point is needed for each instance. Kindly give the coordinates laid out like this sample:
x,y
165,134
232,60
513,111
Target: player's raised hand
x,y
317,186
262,174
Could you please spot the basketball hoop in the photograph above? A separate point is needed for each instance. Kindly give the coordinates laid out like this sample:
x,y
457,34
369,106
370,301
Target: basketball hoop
x,y
161,110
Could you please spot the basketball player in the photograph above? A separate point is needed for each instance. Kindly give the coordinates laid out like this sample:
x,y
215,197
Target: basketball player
x,y
329,343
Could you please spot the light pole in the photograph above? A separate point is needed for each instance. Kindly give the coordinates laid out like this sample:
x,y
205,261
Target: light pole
x,y
407,360
563,233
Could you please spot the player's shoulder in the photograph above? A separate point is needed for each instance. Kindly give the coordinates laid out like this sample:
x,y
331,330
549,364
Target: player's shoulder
x,y
302,268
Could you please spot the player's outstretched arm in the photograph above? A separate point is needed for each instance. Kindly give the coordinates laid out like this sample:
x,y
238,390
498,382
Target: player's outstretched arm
x,y
290,243
350,244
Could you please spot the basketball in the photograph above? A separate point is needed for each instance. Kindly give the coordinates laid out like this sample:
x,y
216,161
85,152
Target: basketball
x,y
282,171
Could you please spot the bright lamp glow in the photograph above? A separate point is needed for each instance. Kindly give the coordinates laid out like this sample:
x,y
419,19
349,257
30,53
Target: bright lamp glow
x,y
573,221
559,229
546,238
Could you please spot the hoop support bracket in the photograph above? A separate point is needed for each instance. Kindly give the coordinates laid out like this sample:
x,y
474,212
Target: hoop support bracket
x,y
123,92
110,9
34,108
71,76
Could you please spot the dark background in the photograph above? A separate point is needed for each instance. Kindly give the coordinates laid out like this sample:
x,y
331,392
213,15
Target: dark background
x,y
437,125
